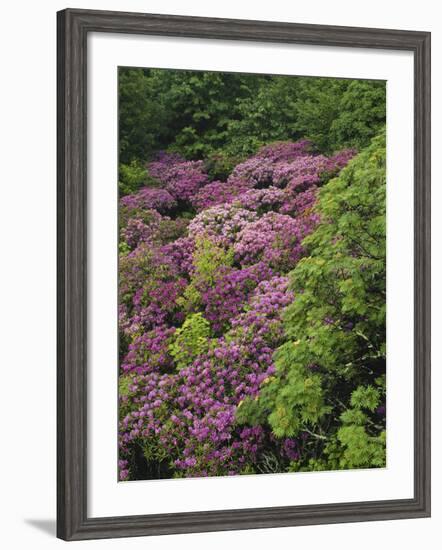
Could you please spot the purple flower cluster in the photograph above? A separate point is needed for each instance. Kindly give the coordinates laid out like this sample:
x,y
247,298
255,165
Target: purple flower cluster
x,y
137,232
149,198
290,165
261,167
156,304
186,417
181,178
274,239
149,286
262,200
300,203
148,352
192,413
180,254
228,296
221,223
220,192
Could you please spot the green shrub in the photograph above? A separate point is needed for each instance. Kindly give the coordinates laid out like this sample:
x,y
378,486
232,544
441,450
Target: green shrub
x,y
190,340
208,259
131,177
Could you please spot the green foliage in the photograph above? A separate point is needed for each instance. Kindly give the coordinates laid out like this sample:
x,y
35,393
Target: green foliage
x,y
124,391
359,449
190,340
360,441
142,115
269,115
290,402
336,113
228,116
131,177
186,111
220,164
123,247
207,260
334,359
365,398
361,114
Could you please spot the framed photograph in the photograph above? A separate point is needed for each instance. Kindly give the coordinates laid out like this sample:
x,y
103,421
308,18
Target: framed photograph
x,y
243,274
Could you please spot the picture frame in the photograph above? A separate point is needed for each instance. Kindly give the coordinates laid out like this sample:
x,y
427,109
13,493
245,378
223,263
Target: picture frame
x,y
73,28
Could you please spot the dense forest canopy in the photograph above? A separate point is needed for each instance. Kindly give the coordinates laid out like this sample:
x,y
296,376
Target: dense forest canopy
x,y
228,116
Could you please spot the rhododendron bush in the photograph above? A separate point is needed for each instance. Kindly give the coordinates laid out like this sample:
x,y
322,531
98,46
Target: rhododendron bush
x,y
251,313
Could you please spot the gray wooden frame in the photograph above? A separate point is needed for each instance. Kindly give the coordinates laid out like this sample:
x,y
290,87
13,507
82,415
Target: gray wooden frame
x,y
73,28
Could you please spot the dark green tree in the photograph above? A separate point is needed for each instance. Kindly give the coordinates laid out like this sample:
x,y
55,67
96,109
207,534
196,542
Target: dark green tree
x,y
225,117
142,114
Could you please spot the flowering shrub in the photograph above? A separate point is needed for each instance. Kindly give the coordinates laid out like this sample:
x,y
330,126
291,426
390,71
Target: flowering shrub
x,y
181,255
262,200
221,223
192,413
275,239
140,225
181,178
204,284
290,165
149,352
227,296
259,168
149,198
300,203
219,192
137,232
149,287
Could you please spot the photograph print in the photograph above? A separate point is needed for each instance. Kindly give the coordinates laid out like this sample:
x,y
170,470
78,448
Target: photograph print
x,y
252,274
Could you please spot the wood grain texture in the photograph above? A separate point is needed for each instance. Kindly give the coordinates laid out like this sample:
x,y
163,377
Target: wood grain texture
x,y
72,28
